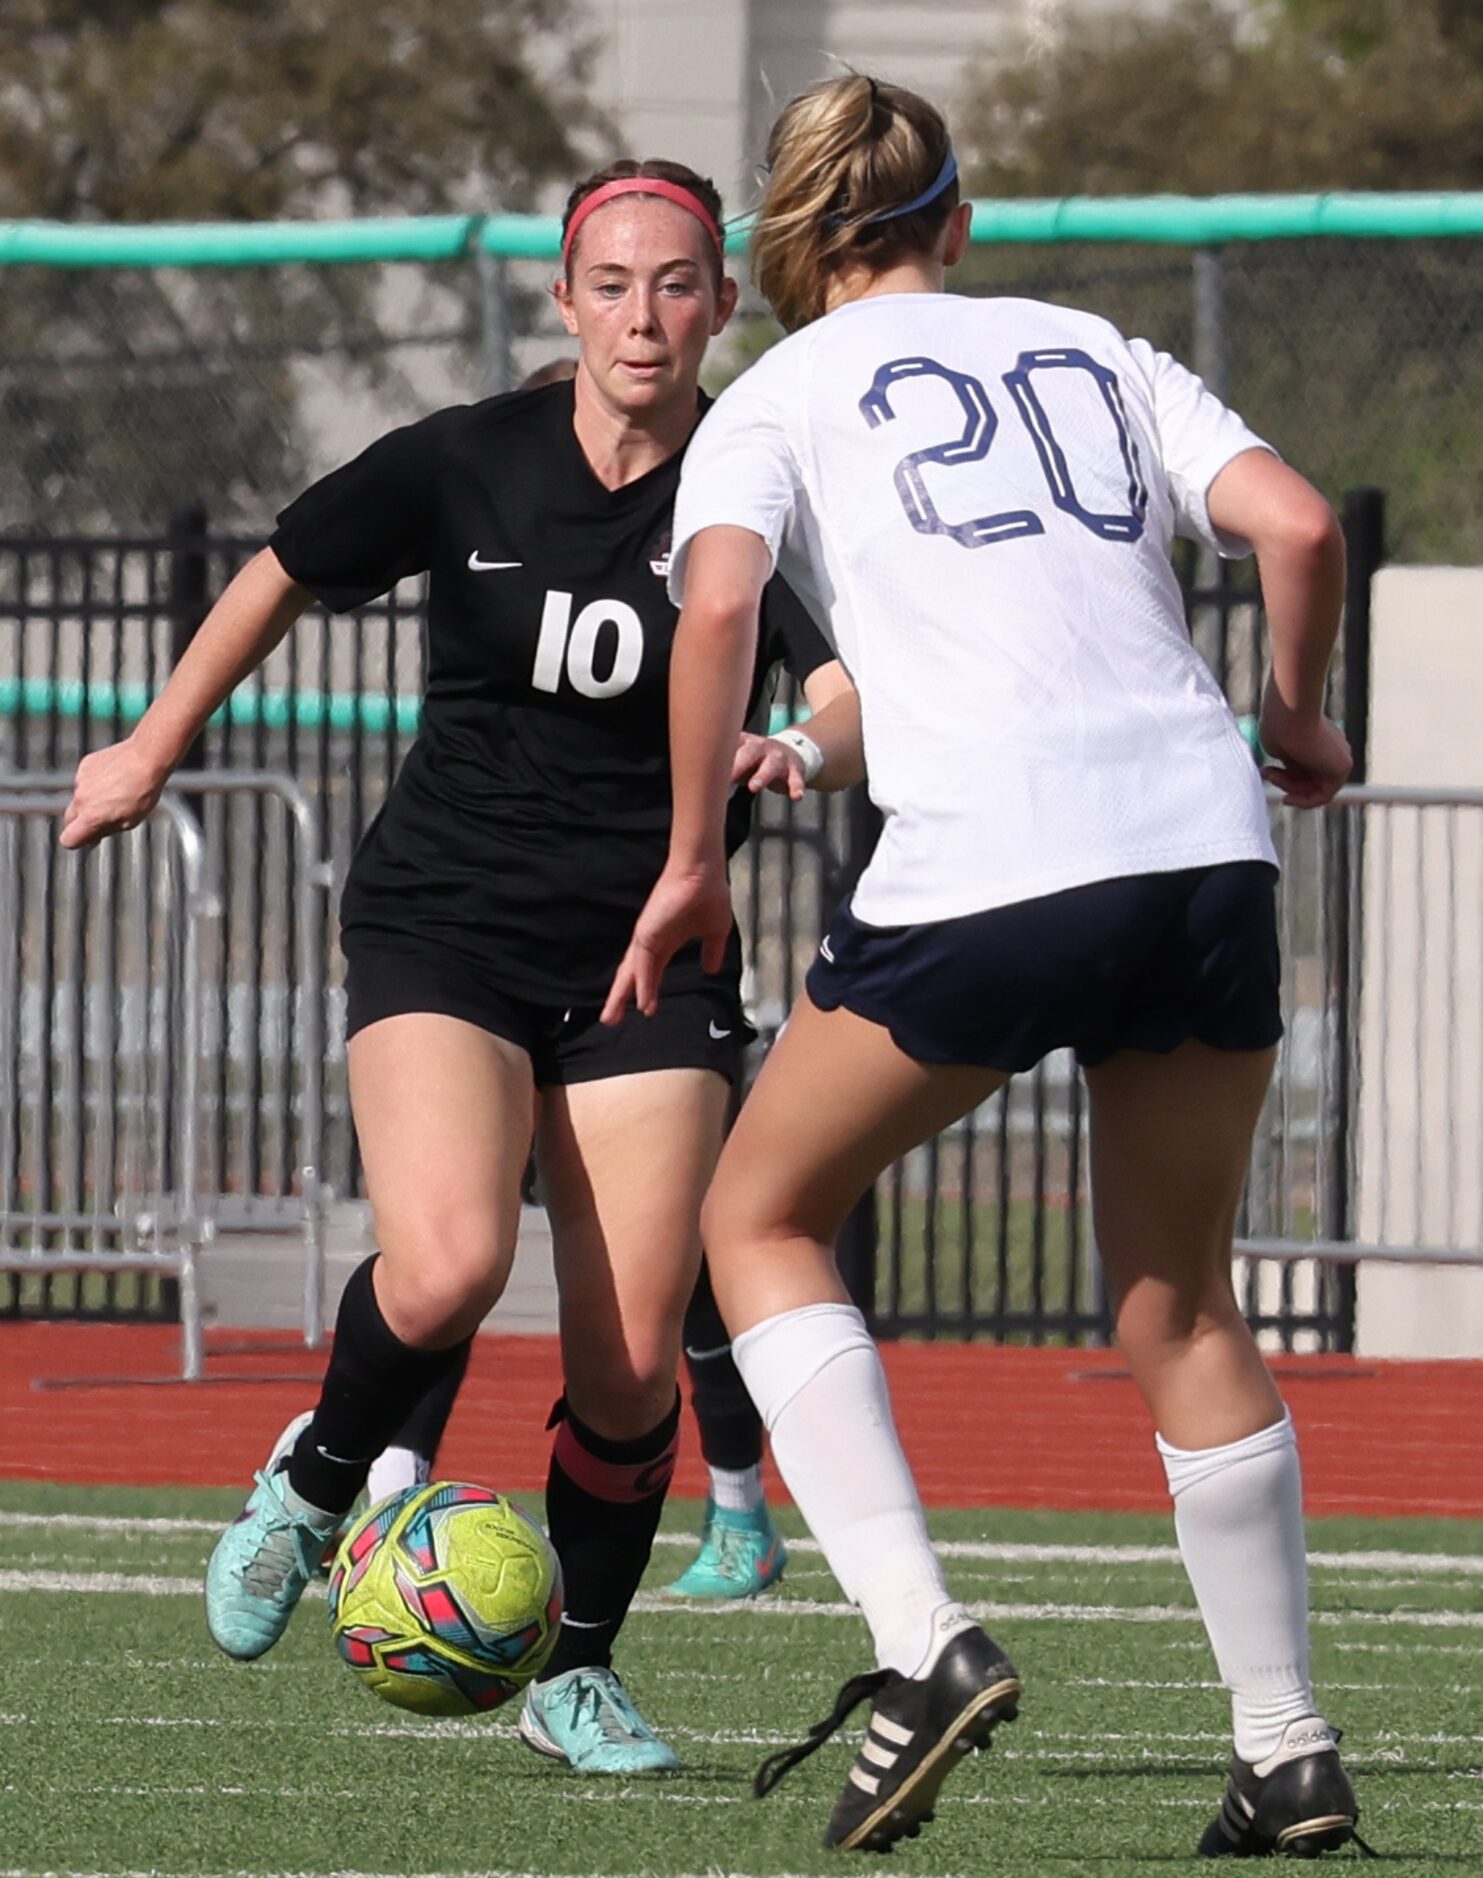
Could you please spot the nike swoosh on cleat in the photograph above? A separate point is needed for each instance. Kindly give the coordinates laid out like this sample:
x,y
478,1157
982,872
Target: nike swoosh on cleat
x,y
718,1034
489,567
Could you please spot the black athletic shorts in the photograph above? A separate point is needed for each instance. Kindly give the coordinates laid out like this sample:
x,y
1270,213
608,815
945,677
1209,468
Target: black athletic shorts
x,y
1143,963
695,1027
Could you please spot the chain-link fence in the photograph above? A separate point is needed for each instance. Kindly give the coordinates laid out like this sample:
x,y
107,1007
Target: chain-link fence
x,y
128,391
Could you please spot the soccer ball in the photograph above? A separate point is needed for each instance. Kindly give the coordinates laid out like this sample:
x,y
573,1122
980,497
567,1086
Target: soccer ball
x,y
445,1599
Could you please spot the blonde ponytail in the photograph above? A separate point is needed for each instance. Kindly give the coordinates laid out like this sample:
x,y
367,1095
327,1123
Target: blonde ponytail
x,y
841,157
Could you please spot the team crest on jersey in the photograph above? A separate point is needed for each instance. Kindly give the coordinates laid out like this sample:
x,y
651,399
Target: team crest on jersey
x,y
659,555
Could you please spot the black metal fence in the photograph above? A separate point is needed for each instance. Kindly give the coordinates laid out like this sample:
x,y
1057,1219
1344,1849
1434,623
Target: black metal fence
x,y
981,1232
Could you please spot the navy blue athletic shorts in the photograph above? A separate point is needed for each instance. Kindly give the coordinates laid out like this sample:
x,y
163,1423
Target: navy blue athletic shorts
x,y
1143,963
697,1026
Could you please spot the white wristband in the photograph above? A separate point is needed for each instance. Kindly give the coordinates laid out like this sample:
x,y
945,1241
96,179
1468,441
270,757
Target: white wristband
x,y
804,748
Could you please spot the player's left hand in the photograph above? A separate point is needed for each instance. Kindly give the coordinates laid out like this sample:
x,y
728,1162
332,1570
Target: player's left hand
x,y
1309,757
764,763
693,904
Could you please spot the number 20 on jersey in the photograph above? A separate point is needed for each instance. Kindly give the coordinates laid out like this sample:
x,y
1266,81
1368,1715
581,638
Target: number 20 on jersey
x,y
981,423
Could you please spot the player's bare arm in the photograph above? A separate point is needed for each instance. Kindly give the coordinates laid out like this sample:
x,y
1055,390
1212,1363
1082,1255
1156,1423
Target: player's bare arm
x,y
714,651
117,787
1300,551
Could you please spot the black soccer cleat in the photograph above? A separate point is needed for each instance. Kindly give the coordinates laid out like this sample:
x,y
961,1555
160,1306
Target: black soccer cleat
x,y
920,1728
1297,1803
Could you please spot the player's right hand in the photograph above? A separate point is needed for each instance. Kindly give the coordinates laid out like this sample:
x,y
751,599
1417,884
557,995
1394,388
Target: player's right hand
x,y
685,904
1308,758
114,789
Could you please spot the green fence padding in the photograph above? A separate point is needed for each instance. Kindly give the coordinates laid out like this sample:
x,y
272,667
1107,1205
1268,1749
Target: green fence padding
x,y
274,709
248,707
1206,221
236,244
1181,221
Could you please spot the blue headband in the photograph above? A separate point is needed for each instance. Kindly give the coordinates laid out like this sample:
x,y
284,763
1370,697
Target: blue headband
x,y
933,190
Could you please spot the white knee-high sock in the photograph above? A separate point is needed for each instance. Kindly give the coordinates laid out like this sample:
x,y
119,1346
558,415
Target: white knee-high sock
x,y
817,1380
1238,1514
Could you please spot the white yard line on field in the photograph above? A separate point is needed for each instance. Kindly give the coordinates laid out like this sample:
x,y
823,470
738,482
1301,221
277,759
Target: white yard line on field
x,y
486,1729
144,1584
1466,1564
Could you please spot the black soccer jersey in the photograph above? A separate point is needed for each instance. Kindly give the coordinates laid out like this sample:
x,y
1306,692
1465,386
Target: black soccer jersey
x,y
531,817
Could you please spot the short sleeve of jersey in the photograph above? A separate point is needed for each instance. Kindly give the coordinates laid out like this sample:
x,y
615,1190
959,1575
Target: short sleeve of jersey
x,y
352,536
789,635
1198,436
739,472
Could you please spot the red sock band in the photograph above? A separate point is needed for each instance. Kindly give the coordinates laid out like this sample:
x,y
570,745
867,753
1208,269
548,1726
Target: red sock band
x,y
622,1482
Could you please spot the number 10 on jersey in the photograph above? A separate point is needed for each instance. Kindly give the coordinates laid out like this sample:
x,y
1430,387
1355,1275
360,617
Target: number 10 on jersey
x,y
572,647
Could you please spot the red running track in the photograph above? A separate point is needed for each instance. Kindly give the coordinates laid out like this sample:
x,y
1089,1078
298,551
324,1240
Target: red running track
x,y
983,1426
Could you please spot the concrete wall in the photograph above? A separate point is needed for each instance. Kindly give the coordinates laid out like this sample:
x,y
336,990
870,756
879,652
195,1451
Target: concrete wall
x,y
1420,1122
673,76
701,81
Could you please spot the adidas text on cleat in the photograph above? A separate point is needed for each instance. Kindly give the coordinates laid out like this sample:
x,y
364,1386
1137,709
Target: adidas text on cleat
x,y
264,1559
920,1728
740,1555
1297,1803
587,1719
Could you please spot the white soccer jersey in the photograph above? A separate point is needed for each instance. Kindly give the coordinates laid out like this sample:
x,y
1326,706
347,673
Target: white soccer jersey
x,y
977,499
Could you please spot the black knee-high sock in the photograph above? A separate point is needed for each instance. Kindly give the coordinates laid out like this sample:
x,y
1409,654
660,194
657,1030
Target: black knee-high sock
x,y
424,1428
603,1500
373,1382
730,1427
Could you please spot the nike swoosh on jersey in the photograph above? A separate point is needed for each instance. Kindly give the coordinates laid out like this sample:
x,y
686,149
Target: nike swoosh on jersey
x,y
489,567
718,1034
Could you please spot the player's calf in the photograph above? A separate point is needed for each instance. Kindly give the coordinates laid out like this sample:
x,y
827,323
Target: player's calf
x,y
920,1729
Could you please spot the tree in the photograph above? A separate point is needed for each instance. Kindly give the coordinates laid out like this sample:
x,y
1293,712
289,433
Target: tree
x,y
1355,358
132,391
1305,95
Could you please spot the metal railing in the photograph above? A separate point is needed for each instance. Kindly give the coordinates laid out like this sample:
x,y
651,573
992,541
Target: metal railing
x,y
127,1057
102,1179
1371,1148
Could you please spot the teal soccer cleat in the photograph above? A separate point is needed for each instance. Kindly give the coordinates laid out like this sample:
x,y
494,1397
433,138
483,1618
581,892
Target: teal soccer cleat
x,y
740,1555
264,1559
587,1719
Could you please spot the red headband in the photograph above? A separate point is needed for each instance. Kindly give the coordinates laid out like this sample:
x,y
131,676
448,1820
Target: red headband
x,y
640,186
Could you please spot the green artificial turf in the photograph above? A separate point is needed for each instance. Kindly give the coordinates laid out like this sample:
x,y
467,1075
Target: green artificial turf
x,y
128,1745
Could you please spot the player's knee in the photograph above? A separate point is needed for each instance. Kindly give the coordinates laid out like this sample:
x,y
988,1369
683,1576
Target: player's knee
x,y
735,1214
441,1286
1162,1320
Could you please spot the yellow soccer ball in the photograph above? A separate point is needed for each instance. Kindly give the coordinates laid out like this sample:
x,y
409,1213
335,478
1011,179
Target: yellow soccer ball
x,y
445,1599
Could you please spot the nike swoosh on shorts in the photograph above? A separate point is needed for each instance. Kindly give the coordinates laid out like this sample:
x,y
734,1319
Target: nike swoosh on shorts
x,y
489,567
